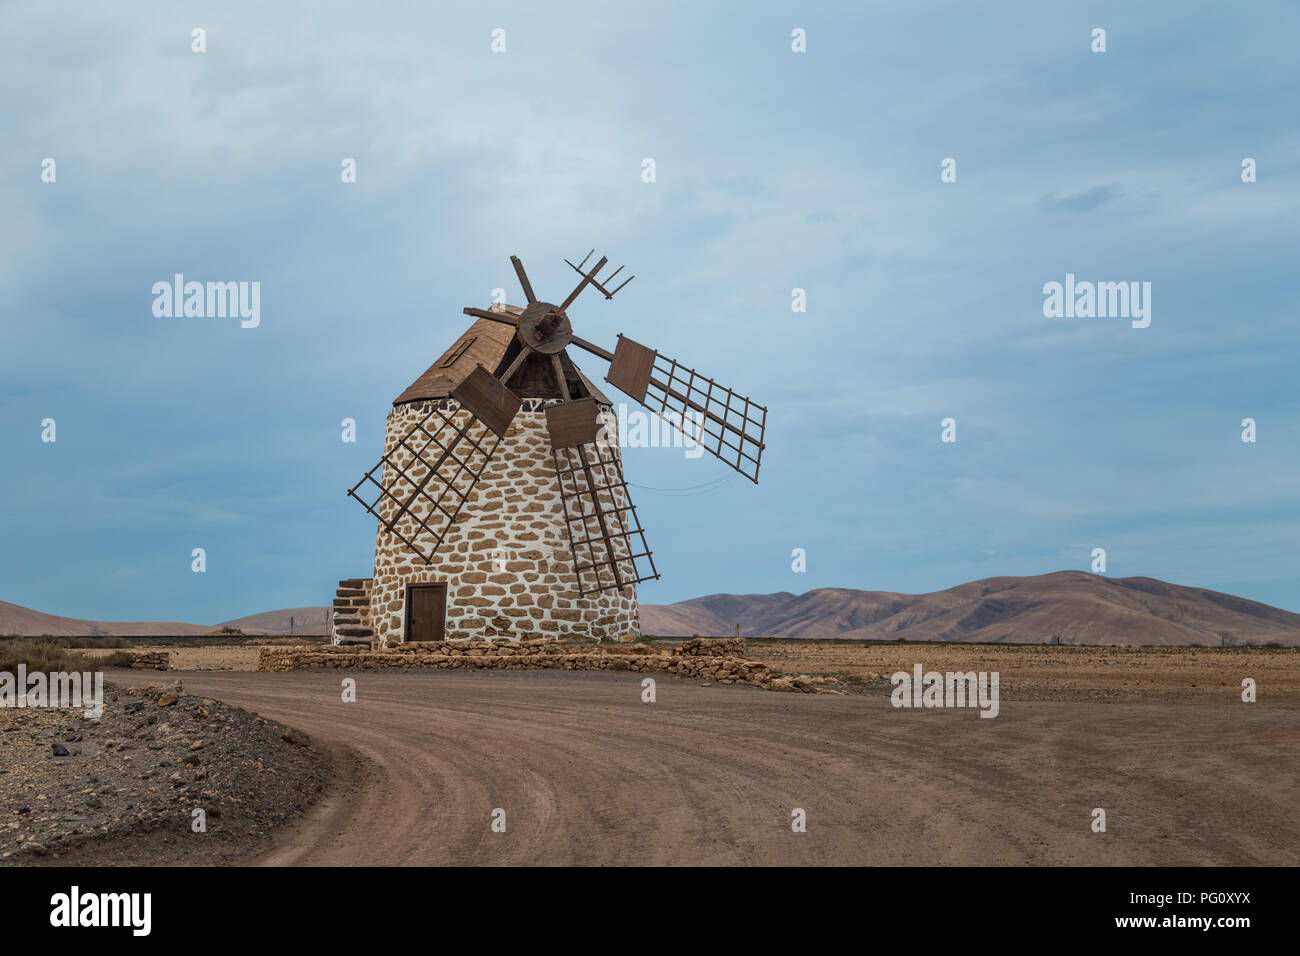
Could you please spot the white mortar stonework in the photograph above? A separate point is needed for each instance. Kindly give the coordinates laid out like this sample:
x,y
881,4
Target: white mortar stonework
x,y
506,561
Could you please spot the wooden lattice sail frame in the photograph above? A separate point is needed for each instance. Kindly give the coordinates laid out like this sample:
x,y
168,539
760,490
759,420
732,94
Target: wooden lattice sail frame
x,y
732,425
605,536
416,499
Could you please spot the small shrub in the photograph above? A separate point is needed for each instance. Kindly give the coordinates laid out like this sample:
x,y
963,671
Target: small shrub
x,y
39,654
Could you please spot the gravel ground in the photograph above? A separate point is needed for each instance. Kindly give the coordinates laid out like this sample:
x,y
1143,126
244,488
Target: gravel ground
x,y
121,789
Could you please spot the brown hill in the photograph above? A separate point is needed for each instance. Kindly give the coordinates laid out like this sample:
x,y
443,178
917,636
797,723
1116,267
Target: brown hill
x,y
1066,607
29,623
306,620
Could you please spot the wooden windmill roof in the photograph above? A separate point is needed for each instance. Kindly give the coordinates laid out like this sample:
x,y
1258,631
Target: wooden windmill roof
x,y
483,343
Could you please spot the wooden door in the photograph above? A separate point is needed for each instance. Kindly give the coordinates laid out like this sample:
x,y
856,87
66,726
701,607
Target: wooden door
x,y
426,612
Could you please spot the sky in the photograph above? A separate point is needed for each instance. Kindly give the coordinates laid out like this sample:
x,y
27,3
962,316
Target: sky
x,y
774,170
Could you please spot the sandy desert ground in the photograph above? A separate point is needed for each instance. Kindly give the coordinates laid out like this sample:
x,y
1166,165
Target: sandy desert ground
x,y
589,774
227,657
1063,673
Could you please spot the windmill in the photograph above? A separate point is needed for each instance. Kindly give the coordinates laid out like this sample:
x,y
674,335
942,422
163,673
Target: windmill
x,y
514,364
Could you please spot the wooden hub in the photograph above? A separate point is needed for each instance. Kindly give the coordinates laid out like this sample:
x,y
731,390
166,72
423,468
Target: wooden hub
x,y
545,329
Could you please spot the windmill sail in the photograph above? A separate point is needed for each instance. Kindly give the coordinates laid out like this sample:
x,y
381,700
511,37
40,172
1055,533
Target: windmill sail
x,y
430,473
730,426
606,538
427,477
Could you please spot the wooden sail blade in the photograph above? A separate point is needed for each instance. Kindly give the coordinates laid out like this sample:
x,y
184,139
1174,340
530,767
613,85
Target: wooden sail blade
x,y
573,423
605,536
418,488
631,368
488,399
727,425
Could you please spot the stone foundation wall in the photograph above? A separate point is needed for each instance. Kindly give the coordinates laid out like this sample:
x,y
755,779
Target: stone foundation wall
x,y
151,661
723,670
543,655
712,647
506,561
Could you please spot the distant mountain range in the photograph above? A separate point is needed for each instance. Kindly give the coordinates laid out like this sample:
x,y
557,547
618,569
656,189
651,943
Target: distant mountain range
x,y
20,620
1066,607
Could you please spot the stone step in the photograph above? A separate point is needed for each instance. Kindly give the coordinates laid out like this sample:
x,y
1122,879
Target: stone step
x,y
351,593
356,582
354,632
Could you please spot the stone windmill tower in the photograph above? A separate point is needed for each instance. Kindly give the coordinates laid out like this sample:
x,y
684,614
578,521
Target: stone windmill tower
x,y
501,504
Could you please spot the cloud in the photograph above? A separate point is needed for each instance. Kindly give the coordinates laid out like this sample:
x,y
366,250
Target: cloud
x,y
1084,201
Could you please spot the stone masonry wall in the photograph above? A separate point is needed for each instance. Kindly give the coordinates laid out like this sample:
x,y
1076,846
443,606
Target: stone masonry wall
x,y
547,655
712,647
506,561
151,661
351,620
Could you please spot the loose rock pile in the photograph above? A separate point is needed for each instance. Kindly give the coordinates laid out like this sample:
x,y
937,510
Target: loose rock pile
x,y
712,647
701,660
121,789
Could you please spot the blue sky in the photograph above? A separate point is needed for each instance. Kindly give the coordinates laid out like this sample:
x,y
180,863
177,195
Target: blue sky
x,y
774,171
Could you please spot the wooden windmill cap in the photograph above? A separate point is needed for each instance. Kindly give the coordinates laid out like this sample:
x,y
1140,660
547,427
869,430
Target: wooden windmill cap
x,y
483,343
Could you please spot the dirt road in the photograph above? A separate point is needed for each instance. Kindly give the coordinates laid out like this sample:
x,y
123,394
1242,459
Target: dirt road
x,y
588,774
